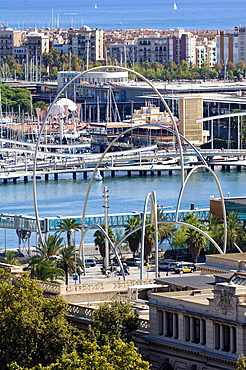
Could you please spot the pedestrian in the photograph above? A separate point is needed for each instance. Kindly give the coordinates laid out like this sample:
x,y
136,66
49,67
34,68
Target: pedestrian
x,y
167,273
181,273
159,274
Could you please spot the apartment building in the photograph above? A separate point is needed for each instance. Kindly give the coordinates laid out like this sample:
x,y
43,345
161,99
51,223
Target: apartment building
x,y
153,49
227,47
197,329
86,43
9,39
123,53
36,44
206,53
182,46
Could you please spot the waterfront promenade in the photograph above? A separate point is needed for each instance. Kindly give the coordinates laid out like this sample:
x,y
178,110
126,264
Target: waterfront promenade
x,y
138,162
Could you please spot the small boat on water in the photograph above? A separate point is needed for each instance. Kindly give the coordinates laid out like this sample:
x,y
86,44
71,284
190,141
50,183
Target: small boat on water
x,y
175,6
95,6
98,176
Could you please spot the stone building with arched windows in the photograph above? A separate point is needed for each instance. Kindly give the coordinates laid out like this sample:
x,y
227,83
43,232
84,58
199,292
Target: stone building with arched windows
x,y
197,329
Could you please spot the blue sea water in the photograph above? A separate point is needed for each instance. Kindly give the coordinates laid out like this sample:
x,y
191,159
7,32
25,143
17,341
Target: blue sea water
x,y
66,196
117,14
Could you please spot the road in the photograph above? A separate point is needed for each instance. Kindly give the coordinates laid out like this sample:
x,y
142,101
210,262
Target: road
x,y
93,274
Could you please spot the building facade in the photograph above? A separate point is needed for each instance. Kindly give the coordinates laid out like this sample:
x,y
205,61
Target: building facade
x,y
9,39
86,43
199,329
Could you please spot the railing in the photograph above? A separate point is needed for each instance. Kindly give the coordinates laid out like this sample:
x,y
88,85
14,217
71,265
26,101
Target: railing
x,y
103,286
85,314
50,224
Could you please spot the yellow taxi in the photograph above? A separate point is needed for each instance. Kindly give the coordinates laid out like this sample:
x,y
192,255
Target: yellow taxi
x,y
184,268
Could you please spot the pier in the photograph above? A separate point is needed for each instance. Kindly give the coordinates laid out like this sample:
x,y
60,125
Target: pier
x,y
51,224
149,161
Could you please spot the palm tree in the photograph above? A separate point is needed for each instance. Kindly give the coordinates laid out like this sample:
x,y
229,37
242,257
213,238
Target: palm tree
x,y
135,238
234,231
66,261
195,240
10,258
165,231
50,246
68,225
45,270
100,240
216,231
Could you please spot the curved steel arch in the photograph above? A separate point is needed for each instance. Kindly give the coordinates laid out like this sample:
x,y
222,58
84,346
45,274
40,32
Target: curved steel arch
x,y
48,113
153,216
93,174
175,223
110,242
81,250
221,196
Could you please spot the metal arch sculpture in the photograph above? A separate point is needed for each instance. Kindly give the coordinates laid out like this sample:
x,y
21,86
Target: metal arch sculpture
x,y
48,113
174,223
221,196
153,216
110,242
93,174
81,249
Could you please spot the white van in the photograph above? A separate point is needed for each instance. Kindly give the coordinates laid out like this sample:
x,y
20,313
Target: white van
x,y
167,265
90,262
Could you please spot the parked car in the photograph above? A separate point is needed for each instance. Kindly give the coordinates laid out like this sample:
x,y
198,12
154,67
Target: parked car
x,y
167,265
90,262
133,261
184,268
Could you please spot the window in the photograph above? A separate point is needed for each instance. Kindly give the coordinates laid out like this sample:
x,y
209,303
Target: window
x,y
226,337
169,324
234,340
196,330
217,336
160,322
176,326
187,328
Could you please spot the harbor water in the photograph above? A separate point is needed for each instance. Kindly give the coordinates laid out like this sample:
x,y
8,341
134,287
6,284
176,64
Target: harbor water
x,y
109,14
65,197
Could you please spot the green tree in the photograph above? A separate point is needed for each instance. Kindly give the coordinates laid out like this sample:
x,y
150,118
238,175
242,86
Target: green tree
x,y
195,240
218,67
234,231
10,258
17,98
99,240
68,225
114,320
231,66
33,329
165,231
46,270
240,65
68,263
117,355
241,363
50,246
135,238
215,230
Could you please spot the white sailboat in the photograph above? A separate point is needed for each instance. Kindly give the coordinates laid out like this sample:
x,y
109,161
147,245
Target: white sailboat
x,y
98,176
175,6
95,6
